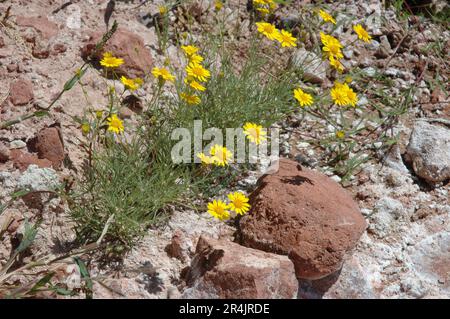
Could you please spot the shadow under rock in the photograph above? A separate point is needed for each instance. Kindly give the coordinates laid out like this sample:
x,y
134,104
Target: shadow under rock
x,y
315,289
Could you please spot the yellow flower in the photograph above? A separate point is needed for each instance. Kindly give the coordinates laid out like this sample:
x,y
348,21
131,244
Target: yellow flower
x,y
131,84
221,155
327,17
195,85
218,5
238,203
340,134
195,58
342,94
332,46
352,97
335,63
205,158
254,132
219,210
85,128
189,49
286,39
269,30
198,72
115,125
263,11
263,2
362,33
162,10
109,61
303,98
191,99
339,94
332,43
163,73
325,38
272,5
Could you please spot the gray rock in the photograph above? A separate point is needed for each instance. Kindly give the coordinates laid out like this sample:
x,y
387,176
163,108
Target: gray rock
x,y
429,151
38,179
348,53
314,69
373,45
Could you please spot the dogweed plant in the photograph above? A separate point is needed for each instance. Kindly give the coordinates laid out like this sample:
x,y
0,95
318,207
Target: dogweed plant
x,y
131,176
131,181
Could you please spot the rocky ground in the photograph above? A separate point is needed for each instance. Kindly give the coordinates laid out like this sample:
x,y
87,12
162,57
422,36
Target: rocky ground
x,y
389,231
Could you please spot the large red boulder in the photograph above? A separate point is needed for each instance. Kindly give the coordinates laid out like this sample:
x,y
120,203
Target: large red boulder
x,y
305,215
126,45
223,269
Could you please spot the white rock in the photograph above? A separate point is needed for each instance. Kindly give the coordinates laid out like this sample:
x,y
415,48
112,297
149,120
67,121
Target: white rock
x,y
369,71
377,144
386,211
391,72
38,179
303,145
336,178
17,144
73,20
362,101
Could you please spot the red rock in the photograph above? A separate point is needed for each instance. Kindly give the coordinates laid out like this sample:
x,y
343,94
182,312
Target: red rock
x,y
40,51
21,92
13,226
178,247
12,67
126,45
47,28
125,113
23,159
59,48
4,153
2,42
303,214
6,52
49,145
223,269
